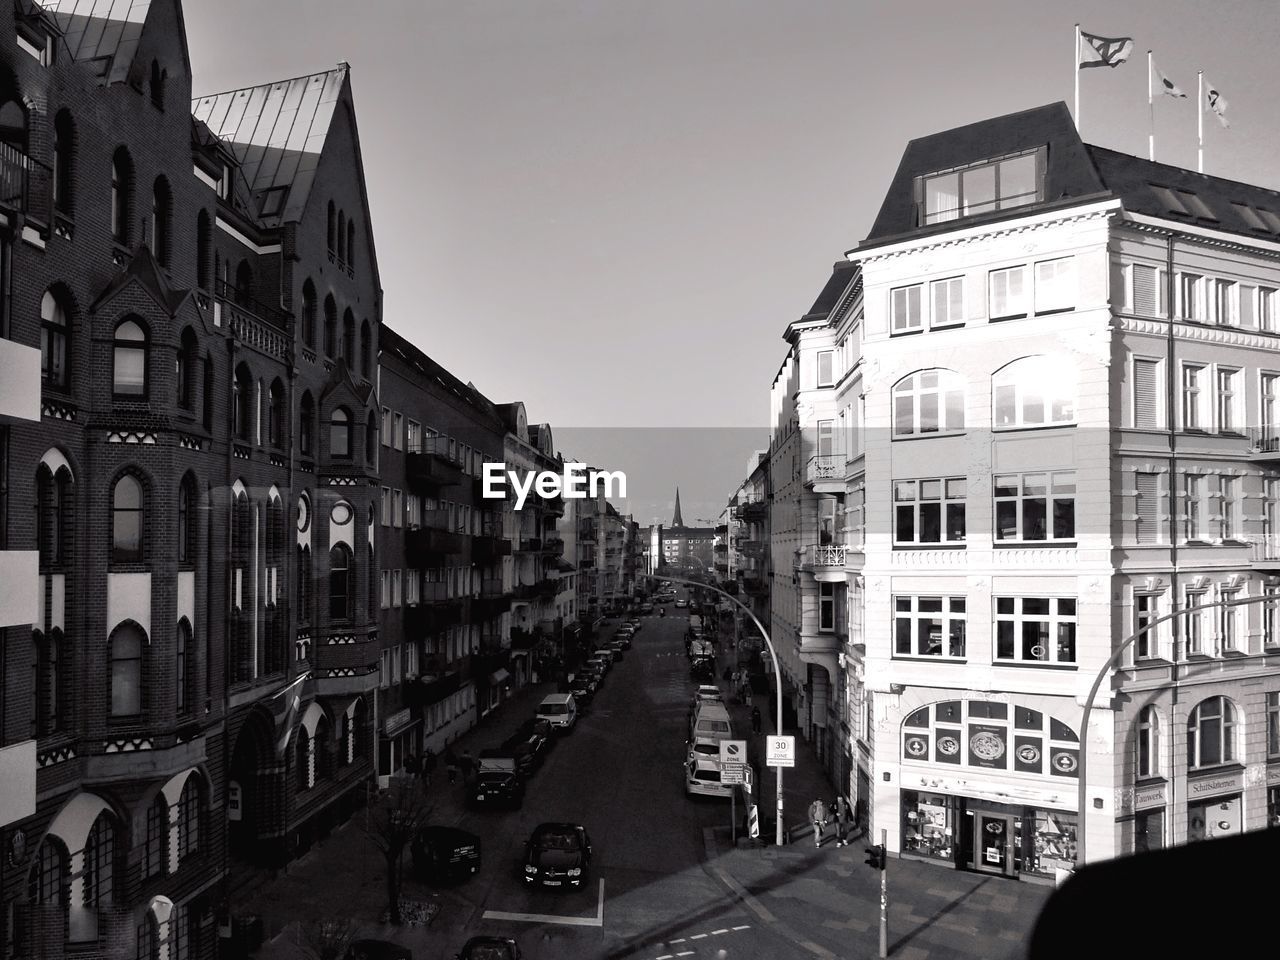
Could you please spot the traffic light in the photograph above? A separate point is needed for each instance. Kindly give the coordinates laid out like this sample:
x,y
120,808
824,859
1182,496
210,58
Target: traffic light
x,y
876,857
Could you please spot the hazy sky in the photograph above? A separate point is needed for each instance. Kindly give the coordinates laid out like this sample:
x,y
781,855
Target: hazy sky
x,y
611,209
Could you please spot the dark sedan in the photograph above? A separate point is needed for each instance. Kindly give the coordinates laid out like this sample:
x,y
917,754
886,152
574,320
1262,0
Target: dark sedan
x,y
490,948
557,855
496,785
584,692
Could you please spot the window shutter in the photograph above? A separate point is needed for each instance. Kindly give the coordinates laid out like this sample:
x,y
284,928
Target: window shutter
x,y
1247,297
1146,295
1148,508
1146,404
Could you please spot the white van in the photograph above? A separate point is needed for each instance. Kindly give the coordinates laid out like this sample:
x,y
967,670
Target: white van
x,y
711,722
560,710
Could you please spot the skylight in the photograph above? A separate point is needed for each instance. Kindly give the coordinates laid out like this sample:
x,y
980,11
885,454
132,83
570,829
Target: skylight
x,y
1249,216
1169,199
1270,219
1196,205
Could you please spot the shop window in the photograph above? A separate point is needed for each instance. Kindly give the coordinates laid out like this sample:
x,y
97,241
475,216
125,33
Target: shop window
x,y
990,735
1213,819
1049,842
928,827
1148,831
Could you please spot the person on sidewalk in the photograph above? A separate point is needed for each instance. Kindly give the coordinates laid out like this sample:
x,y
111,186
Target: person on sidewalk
x,y
842,821
451,764
818,816
466,763
411,765
746,694
755,719
428,767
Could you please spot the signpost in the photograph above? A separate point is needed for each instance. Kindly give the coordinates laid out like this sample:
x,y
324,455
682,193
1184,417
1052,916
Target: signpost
x,y
733,751
780,751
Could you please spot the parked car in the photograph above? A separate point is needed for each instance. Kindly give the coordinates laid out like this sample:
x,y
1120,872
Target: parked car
x,y
557,855
681,603
445,854
646,609
377,950
497,782
600,665
526,756
583,689
702,778
702,669
707,691
490,948
703,748
618,647
635,623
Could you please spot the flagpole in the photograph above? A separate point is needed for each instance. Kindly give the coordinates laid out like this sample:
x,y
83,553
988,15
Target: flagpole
x,y
1200,120
1151,113
1075,66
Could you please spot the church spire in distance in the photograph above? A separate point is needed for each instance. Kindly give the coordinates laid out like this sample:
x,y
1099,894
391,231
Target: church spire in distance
x,y
677,520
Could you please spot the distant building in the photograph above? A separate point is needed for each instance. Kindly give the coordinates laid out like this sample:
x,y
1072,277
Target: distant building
x,y
678,545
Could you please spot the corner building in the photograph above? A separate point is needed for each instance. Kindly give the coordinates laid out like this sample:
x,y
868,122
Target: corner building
x,y
194,685
1068,429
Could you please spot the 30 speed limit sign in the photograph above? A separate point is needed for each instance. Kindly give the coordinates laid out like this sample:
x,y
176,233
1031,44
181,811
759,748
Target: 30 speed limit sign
x,y
780,751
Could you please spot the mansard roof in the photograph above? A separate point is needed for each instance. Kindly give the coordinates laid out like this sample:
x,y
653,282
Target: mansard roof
x,y
277,132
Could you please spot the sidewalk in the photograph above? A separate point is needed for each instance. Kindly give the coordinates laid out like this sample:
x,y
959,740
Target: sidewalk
x,y
827,900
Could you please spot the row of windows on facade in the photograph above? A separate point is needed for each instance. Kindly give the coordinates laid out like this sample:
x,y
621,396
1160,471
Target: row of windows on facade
x,y
1207,632
400,509
410,586
1215,736
403,434
49,880
1010,295
1214,398
1222,301
341,235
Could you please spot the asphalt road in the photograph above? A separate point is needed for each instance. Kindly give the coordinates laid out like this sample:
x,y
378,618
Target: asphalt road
x,y
620,774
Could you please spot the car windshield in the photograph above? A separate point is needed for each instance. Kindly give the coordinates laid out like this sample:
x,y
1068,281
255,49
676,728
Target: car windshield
x,y
553,708
713,726
710,749
557,840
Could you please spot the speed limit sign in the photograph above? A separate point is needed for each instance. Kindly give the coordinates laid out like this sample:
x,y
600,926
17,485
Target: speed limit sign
x,y
780,751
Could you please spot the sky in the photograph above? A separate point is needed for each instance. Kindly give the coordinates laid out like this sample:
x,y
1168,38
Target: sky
x,y
611,209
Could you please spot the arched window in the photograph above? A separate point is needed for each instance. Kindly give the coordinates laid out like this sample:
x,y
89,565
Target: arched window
x,y
342,235
340,433
189,804
371,438
928,402
129,358
100,862
277,429
1148,742
1033,392
349,339
304,584
127,508
371,579
187,521
50,879
333,226
244,283
127,644
359,732
351,243
161,211
341,583
54,350
182,666
188,350
121,195
53,502
155,853
366,348
309,313
242,403
1211,733
306,424
64,140
148,938
48,661
323,749
302,760
157,85
204,243
330,326
208,392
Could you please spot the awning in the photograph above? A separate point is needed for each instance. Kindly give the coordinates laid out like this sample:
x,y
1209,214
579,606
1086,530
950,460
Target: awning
x,y
498,677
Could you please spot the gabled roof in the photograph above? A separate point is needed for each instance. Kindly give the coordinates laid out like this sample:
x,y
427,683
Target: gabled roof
x,y
106,31
390,342
277,132
146,273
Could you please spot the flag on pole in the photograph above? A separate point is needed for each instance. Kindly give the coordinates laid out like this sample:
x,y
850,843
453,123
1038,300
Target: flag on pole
x,y
1167,86
1215,102
1104,51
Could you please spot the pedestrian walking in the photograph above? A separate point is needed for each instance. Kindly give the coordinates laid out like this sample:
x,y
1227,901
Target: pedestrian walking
x,y
411,765
818,815
755,719
728,674
842,821
466,764
746,694
451,764
428,766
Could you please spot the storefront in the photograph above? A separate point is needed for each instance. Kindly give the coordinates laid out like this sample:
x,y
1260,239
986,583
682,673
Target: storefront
x,y
1149,821
1215,806
1273,795
401,736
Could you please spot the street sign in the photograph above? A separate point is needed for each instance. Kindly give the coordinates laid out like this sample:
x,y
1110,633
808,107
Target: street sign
x,y
732,773
733,751
753,822
780,751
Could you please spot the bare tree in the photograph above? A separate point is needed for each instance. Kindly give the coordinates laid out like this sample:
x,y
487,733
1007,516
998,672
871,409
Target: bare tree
x,y
391,827
325,939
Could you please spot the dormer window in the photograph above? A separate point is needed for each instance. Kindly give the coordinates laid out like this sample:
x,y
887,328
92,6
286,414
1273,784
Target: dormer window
x,y
1000,183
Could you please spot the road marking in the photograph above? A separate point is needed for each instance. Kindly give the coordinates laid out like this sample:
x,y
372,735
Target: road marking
x,y
685,953
596,921
681,940
698,936
716,933
745,926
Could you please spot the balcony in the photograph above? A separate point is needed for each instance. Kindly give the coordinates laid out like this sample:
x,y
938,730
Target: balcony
x,y
553,547
530,545
427,546
431,689
753,511
1266,552
435,613
487,549
826,562
825,474
545,589
432,466
554,506
266,328
25,184
492,602
755,585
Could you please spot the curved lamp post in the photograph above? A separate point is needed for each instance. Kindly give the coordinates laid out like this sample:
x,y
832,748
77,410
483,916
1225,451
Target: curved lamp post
x,y
1083,796
777,671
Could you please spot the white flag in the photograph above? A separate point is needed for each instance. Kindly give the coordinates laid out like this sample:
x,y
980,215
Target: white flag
x,y
1167,86
1215,102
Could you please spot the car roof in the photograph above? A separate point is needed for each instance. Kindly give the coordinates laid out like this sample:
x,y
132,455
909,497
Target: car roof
x,y
712,708
556,698
555,827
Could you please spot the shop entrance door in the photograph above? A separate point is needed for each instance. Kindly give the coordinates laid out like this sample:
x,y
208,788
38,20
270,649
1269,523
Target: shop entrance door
x,y
992,843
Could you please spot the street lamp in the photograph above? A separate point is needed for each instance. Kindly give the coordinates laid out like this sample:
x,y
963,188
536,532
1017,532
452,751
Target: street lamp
x,y
1083,786
777,670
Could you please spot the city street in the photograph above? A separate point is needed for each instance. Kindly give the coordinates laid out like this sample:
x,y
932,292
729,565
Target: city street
x,y
665,881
